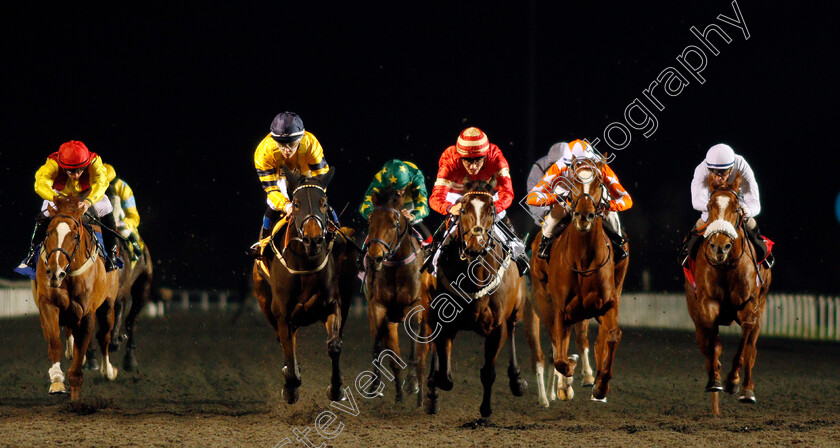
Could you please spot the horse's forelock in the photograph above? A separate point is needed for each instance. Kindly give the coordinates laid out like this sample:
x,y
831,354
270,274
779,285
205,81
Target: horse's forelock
x,y
386,196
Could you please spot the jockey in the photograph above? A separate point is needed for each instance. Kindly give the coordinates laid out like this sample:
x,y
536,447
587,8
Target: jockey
x,y
73,169
125,210
410,184
541,166
721,164
552,186
474,158
287,145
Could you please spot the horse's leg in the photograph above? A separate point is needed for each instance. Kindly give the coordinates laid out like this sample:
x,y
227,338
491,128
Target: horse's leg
x,y
750,327
532,336
516,383
52,333
105,319
563,363
492,346
141,292
334,344
68,350
393,343
443,375
378,330
120,305
609,335
421,350
412,383
291,373
432,403
81,340
582,343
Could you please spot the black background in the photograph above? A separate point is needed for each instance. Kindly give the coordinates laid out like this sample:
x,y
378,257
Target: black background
x,y
176,97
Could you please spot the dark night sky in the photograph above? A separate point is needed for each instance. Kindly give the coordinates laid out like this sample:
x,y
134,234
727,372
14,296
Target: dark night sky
x,y
177,97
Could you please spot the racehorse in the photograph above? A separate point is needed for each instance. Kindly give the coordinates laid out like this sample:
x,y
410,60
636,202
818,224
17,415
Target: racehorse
x,y
477,288
134,293
73,290
392,285
300,283
581,281
730,286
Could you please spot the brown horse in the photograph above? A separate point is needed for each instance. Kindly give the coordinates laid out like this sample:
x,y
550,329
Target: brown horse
x,y
580,282
134,293
731,286
392,285
73,290
301,286
477,288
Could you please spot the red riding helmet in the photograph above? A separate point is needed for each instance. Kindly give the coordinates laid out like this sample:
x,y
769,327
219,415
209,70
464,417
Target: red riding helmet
x,y
74,155
472,143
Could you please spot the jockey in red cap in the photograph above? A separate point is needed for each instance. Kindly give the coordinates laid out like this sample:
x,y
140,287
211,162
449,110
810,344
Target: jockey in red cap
x,y
474,158
73,169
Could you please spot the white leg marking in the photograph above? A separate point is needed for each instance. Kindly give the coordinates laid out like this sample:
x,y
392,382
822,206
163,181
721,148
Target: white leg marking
x,y
107,370
68,351
56,375
541,385
586,369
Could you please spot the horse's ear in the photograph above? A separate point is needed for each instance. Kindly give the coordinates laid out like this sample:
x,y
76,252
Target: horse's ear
x,y
292,179
710,182
735,185
326,178
492,183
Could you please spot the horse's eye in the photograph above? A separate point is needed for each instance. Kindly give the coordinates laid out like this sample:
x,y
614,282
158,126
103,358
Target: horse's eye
x,y
396,224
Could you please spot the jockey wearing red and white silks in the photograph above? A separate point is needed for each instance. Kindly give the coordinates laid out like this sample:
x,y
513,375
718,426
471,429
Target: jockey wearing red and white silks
x,y
452,174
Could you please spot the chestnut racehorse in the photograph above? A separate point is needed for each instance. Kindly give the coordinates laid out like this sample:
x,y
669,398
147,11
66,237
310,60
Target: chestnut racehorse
x,y
477,288
731,286
301,286
580,282
72,290
392,284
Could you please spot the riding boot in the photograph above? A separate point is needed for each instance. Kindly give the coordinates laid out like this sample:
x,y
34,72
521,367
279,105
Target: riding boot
x,y
545,247
269,219
754,235
38,236
135,251
109,238
617,244
689,247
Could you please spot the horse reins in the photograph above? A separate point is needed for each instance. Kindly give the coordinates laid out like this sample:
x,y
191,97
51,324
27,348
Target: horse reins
x,y
399,236
70,256
463,246
297,225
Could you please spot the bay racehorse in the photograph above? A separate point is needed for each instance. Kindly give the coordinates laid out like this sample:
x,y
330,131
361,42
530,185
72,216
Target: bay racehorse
x,y
134,293
298,284
581,281
72,290
392,286
477,288
731,286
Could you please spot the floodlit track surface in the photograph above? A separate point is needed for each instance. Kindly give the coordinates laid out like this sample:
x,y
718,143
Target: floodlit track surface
x,y
205,382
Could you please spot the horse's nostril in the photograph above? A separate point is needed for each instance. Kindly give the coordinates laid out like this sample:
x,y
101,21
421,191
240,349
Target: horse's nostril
x,y
378,260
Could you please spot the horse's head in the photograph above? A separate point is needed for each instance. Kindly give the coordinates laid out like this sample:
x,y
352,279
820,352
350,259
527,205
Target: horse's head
x,y
63,238
309,209
387,226
588,202
724,218
478,213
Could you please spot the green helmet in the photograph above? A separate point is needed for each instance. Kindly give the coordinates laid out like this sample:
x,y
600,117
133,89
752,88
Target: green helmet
x,y
395,174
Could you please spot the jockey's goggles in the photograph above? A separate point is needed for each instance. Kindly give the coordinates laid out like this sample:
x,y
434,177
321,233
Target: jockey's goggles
x,y
473,160
75,171
719,172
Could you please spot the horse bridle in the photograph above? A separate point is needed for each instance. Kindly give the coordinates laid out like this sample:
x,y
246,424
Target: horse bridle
x,y
318,219
399,235
600,207
77,238
738,224
463,251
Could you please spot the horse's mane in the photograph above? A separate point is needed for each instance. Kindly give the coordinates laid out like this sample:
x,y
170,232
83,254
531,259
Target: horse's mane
x,y
68,205
479,185
386,196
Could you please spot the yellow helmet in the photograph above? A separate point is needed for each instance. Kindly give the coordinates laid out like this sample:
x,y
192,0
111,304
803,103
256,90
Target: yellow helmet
x,y
111,173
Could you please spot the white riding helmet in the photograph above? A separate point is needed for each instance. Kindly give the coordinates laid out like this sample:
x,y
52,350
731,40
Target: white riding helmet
x,y
582,150
720,157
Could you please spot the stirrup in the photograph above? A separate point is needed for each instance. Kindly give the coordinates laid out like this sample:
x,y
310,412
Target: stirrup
x,y
545,247
254,251
769,261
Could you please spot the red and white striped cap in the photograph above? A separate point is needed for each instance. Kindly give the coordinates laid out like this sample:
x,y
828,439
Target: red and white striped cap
x,y
472,143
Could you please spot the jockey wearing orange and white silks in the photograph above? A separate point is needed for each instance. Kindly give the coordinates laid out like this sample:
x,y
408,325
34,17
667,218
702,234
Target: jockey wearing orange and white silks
x,y
552,186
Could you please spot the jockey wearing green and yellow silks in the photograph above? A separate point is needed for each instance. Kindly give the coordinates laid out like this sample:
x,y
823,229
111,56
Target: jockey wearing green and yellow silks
x,y
125,210
288,145
408,181
74,170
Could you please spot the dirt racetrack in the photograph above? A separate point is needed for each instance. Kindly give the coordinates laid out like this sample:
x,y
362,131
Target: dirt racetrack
x,y
204,382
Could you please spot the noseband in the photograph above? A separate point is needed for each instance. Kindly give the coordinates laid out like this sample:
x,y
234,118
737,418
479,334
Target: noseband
x,y
399,235
464,252
76,238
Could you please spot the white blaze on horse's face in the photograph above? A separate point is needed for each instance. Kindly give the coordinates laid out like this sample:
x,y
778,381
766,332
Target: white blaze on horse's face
x,y
586,176
62,229
720,232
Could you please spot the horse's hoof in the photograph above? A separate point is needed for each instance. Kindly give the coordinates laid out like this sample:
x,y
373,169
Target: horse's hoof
x,y
444,382
91,363
290,395
714,386
411,386
130,363
431,405
518,386
485,410
595,396
730,388
110,374
597,400
57,388
588,381
339,396
748,396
